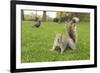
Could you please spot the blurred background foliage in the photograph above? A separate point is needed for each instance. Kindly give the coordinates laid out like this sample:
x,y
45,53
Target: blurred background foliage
x,y
60,16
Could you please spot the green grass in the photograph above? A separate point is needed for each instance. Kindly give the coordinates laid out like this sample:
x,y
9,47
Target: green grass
x,y
37,42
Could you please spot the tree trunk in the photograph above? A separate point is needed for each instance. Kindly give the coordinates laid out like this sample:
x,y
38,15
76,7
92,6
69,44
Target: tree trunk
x,y
60,17
22,14
44,16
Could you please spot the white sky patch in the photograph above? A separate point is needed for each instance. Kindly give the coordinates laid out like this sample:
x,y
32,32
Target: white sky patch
x,y
50,14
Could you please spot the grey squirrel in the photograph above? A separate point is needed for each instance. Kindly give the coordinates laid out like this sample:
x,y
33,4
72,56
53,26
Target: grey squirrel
x,y
69,41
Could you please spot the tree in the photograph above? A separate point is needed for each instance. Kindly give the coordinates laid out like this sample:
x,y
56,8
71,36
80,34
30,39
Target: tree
x,y
81,16
67,16
62,16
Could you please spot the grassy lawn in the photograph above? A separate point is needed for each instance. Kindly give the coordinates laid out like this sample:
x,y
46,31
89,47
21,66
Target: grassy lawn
x,y
37,42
